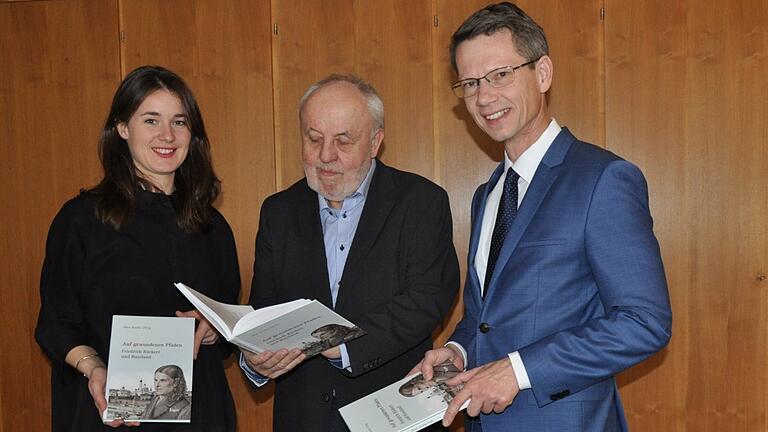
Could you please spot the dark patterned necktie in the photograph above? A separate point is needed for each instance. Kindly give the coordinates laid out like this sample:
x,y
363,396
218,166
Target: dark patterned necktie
x,y
504,218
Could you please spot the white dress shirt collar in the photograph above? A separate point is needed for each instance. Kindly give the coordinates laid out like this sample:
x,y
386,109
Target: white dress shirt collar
x,y
525,166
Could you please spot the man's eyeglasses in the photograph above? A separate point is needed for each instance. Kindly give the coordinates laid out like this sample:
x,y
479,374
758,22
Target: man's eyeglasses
x,y
499,77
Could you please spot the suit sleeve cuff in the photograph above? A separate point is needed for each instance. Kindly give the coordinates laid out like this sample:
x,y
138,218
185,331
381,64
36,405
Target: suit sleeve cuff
x,y
461,350
520,373
257,379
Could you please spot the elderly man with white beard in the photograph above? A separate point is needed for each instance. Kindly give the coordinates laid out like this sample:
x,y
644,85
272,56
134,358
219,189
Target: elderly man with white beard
x,y
370,241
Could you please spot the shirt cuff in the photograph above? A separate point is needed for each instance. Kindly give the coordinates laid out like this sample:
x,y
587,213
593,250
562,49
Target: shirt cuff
x,y
256,378
520,373
461,350
345,363
342,362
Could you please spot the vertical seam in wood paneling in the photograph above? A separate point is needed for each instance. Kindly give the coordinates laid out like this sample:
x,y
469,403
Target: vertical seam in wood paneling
x,y
120,39
601,57
355,57
438,156
276,141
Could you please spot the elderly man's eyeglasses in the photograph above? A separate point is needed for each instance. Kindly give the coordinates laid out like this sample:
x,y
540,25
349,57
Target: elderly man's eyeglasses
x,y
499,77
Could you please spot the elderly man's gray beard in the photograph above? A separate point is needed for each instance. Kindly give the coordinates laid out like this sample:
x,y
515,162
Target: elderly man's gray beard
x,y
349,183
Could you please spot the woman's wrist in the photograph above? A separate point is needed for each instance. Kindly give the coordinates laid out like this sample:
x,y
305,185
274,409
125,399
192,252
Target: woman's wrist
x,y
88,364
84,359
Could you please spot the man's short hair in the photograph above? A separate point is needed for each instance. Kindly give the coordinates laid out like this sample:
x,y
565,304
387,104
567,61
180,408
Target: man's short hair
x,y
372,98
526,33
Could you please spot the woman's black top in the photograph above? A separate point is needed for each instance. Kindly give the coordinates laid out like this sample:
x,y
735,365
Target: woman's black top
x,y
92,271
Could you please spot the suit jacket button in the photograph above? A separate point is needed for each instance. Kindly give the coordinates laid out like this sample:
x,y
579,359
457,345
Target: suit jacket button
x,y
485,328
326,397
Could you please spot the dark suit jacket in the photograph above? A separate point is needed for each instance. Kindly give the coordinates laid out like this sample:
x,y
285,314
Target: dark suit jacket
x,y
399,281
578,289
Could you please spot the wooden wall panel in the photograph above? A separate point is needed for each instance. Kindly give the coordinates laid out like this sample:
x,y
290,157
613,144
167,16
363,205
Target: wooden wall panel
x,y
393,50
230,73
314,38
675,87
55,87
575,35
727,107
645,43
383,45
684,102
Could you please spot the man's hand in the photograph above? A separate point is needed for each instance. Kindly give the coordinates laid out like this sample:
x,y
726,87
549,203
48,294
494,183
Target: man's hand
x,y
435,357
273,364
205,333
491,387
332,353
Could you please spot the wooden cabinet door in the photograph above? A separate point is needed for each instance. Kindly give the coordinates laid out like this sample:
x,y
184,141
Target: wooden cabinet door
x,y
55,89
686,99
385,43
222,49
312,39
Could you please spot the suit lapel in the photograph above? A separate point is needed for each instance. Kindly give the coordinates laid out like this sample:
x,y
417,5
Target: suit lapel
x,y
382,195
545,176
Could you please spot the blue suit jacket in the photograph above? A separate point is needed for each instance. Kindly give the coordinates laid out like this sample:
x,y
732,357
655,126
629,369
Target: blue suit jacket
x,y
578,289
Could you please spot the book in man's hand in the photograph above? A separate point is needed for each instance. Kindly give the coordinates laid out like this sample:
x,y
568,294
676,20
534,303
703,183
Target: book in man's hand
x,y
149,374
305,324
408,405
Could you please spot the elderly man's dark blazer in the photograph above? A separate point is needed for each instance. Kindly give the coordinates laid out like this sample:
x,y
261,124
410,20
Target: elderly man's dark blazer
x,y
399,281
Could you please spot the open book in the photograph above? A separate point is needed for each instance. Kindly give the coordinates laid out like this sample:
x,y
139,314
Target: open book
x,y
408,405
305,324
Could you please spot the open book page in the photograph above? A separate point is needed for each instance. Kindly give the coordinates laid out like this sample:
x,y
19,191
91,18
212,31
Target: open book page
x,y
222,316
266,314
407,405
149,374
231,320
313,328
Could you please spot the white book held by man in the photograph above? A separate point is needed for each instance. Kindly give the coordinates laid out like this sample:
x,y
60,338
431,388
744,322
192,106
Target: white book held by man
x,y
410,404
149,374
305,324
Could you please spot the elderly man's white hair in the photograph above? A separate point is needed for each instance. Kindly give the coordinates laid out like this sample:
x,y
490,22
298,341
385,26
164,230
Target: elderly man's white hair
x,y
372,98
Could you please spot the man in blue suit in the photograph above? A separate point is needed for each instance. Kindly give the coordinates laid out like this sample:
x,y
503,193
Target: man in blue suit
x,y
565,285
